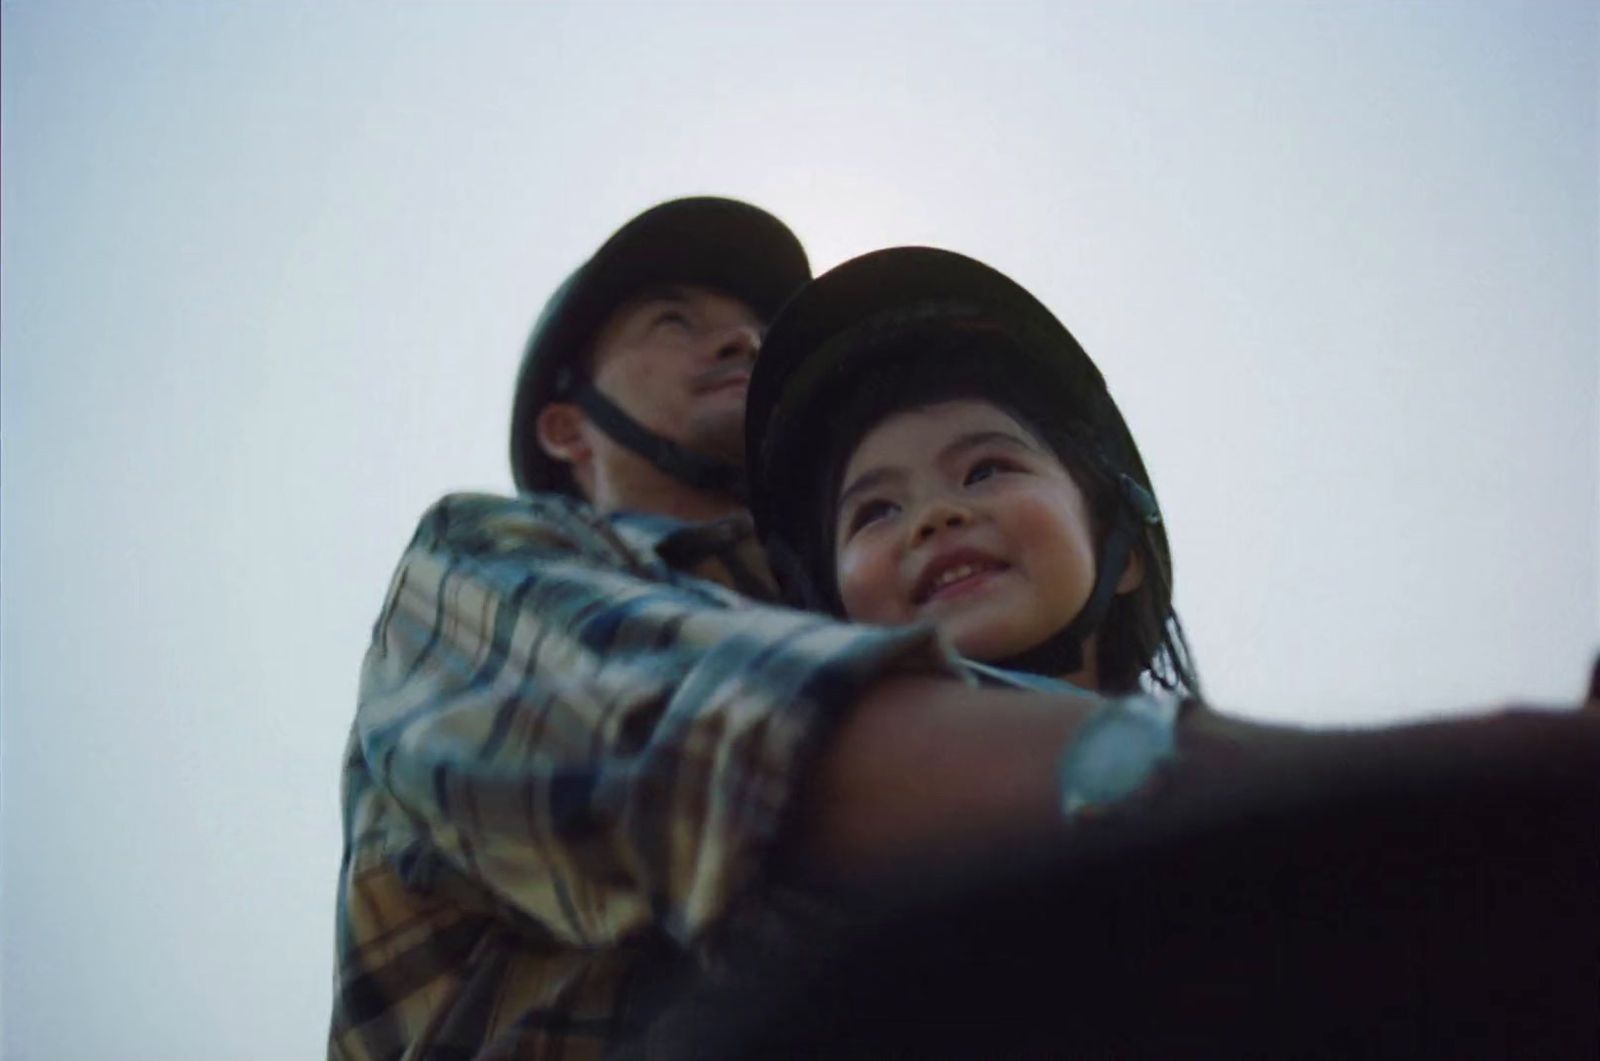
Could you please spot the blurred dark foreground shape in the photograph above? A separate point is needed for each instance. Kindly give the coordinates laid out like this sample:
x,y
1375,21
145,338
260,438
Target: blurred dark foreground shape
x,y
1436,905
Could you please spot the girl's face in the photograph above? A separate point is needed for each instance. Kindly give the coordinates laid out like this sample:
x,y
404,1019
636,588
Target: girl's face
x,y
956,514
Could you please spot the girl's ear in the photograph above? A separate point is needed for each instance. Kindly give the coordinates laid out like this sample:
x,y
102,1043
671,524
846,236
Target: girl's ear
x,y
557,426
1132,573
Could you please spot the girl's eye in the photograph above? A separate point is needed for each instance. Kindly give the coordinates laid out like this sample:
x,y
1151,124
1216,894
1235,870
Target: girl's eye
x,y
869,512
672,317
986,468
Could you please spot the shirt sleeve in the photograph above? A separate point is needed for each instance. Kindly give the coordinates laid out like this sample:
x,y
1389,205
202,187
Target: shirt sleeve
x,y
603,748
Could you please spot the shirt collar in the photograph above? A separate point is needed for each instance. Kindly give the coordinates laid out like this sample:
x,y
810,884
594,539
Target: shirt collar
x,y
653,534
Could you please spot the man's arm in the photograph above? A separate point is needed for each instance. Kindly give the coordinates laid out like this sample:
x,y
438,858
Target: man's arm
x,y
600,746
604,752
925,767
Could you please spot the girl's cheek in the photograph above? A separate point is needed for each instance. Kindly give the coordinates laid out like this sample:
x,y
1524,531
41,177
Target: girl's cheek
x,y
845,567
865,587
1053,524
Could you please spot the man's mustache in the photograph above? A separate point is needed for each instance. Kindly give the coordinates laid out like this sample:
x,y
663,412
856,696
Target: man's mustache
x,y
722,373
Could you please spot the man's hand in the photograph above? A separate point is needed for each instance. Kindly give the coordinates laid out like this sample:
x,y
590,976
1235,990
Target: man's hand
x,y
1227,765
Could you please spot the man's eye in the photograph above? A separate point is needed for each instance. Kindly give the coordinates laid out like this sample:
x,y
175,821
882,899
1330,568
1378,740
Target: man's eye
x,y
986,468
673,317
869,512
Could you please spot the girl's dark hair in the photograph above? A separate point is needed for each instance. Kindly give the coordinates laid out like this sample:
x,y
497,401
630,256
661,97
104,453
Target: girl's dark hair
x,y
1141,633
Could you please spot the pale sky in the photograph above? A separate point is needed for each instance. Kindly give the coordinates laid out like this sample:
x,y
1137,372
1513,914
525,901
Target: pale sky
x,y
268,268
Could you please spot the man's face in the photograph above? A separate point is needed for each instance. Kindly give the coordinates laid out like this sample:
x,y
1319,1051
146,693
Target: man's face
x,y
678,359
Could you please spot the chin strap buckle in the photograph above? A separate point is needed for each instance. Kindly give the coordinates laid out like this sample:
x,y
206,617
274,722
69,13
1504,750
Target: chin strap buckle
x,y
1137,500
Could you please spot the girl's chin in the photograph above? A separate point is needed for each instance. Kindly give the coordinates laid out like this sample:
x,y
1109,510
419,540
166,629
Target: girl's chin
x,y
988,645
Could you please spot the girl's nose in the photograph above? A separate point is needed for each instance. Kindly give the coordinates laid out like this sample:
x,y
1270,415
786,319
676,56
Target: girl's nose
x,y
941,514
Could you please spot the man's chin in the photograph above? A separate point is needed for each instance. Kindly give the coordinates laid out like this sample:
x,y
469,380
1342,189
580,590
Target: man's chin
x,y
718,437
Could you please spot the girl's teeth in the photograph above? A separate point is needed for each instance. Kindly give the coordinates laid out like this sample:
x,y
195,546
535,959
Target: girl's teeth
x,y
956,574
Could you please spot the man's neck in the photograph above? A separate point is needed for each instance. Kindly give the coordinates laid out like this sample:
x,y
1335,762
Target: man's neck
x,y
666,498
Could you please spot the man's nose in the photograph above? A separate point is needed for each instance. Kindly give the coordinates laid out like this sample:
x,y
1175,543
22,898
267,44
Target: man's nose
x,y
738,341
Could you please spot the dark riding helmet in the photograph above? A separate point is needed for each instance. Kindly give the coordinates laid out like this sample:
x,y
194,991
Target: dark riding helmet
x,y
722,244
877,332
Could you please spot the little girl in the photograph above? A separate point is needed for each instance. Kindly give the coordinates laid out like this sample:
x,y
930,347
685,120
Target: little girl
x,y
927,443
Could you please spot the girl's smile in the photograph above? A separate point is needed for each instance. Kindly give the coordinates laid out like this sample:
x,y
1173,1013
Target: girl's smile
x,y
956,572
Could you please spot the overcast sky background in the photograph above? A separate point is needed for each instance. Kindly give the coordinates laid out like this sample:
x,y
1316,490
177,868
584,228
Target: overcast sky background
x,y
267,270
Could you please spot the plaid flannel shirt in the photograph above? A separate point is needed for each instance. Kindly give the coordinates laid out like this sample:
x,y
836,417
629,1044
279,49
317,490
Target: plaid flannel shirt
x,y
575,747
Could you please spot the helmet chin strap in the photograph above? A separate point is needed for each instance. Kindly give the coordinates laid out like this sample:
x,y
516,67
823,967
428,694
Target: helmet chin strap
x,y
669,458
1062,652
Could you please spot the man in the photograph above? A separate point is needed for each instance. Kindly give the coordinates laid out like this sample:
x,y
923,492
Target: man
x,y
584,750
